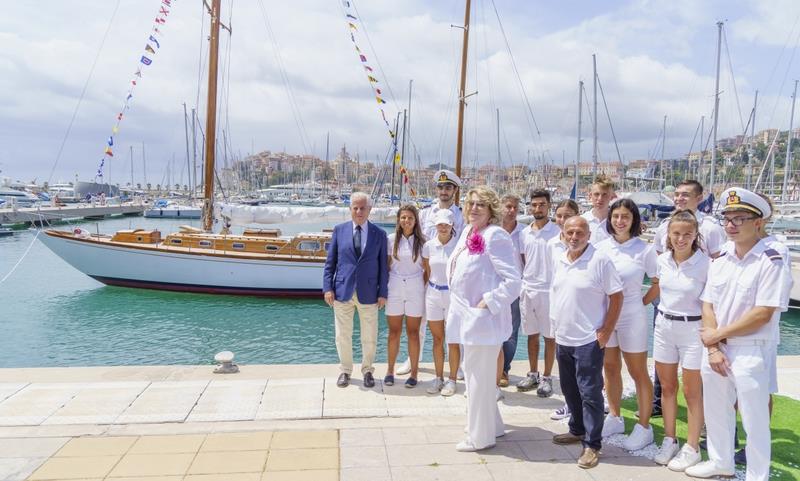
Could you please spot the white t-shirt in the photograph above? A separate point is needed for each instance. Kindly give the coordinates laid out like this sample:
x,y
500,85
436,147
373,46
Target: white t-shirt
x,y
712,234
735,286
597,227
437,255
579,295
681,284
404,266
632,259
426,222
537,274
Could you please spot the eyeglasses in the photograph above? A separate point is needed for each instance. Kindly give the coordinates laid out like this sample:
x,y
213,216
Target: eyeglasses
x,y
737,221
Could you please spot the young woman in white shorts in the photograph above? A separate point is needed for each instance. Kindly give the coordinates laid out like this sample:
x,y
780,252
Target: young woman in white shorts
x,y
682,273
406,290
633,258
435,253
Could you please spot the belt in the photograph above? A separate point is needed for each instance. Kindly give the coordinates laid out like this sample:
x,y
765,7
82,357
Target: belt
x,y
749,342
673,317
438,287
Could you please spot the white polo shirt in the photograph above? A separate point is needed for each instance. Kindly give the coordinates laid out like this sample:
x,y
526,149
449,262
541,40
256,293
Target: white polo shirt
x,y
632,259
579,295
557,246
537,274
735,286
712,234
404,266
437,255
427,222
681,284
597,227
773,243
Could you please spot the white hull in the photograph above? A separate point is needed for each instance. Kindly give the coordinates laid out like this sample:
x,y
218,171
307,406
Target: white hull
x,y
173,269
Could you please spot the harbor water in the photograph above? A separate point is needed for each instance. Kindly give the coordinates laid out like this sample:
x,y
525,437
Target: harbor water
x,y
52,315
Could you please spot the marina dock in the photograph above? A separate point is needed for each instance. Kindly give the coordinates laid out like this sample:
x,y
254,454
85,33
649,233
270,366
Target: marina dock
x,y
39,215
287,422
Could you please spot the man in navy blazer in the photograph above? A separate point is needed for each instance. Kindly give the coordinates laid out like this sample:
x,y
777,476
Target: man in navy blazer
x,y
356,277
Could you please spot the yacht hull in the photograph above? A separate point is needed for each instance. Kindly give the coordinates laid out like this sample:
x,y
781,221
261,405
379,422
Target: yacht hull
x,y
164,268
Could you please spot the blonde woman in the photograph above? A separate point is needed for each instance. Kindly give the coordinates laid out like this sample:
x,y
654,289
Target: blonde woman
x,y
484,279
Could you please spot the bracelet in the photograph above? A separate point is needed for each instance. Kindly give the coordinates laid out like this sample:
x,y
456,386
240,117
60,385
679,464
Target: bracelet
x,y
710,352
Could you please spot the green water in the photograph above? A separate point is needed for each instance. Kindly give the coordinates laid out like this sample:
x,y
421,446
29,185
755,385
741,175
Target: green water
x,y
52,315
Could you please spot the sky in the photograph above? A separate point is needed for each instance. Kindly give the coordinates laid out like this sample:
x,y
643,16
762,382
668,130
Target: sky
x,y
290,76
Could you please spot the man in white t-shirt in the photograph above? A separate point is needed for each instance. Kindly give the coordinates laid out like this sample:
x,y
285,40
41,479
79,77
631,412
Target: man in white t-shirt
x,y
509,205
688,195
585,302
743,291
601,193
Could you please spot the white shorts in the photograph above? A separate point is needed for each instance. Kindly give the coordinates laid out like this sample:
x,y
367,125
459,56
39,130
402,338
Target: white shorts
x,y
535,308
678,342
436,304
406,297
630,336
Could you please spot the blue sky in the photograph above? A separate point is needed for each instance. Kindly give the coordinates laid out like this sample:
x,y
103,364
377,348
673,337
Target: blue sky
x,y
655,58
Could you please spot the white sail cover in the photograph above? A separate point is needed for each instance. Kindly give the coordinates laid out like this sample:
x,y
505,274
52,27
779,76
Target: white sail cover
x,y
236,214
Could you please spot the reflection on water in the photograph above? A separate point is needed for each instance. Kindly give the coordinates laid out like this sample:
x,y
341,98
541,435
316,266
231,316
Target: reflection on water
x,y
52,315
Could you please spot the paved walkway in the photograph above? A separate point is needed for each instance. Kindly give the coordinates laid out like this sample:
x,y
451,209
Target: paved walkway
x,y
275,423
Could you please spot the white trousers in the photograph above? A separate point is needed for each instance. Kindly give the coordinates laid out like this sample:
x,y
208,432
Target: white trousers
x,y
749,382
484,422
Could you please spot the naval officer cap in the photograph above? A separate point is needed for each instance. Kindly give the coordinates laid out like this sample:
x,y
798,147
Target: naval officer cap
x,y
443,216
445,176
737,198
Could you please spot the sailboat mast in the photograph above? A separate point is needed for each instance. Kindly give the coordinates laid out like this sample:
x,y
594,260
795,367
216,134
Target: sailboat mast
x,y
497,168
752,141
663,142
188,159
211,117
594,114
702,145
402,179
787,167
716,111
580,121
462,101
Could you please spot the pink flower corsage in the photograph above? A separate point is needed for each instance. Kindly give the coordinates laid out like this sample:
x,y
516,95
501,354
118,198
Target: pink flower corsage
x,y
476,244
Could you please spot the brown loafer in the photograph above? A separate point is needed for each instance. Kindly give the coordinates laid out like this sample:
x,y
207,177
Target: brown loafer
x,y
589,458
503,380
567,438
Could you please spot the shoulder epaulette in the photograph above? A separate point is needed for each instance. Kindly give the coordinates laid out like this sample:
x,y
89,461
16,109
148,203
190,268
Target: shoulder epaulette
x,y
773,255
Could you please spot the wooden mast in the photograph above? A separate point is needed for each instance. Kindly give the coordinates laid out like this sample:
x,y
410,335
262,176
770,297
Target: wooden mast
x,y
211,118
462,101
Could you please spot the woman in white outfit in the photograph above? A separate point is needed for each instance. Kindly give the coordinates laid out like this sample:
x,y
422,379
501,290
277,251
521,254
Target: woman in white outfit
x,y
633,258
435,254
406,290
484,279
682,274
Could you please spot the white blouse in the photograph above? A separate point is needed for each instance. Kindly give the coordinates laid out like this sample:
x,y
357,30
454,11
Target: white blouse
x,y
632,259
437,255
404,266
492,276
681,284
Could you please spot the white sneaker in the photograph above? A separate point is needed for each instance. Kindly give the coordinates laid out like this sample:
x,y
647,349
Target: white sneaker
x,y
686,458
613,425
449,388
459,374
707,469
669,447
436,386
560,413
638,438
404,368
467,446
500,395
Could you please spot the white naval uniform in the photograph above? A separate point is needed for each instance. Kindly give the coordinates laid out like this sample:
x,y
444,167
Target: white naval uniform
x,y
406,283
678,341
632,259
734,287
537,274
712,235
493,277
597,227
428,224
437,293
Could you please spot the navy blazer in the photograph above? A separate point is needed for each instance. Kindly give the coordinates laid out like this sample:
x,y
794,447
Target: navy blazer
x,y
367,276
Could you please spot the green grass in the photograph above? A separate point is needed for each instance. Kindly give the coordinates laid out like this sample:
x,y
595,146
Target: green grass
x,y
785,427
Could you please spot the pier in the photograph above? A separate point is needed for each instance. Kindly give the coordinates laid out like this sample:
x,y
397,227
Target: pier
x,y
283,422
49,215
